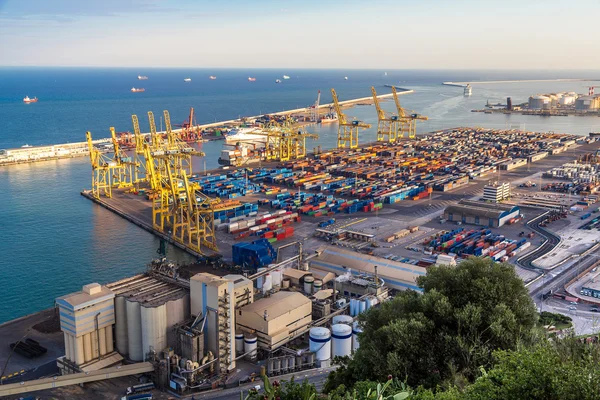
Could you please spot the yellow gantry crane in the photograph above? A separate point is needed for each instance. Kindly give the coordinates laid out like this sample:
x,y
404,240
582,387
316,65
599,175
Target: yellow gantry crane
x,y
124,174
387,125
408,121
181,150
285,142
347,131
102,170
141,163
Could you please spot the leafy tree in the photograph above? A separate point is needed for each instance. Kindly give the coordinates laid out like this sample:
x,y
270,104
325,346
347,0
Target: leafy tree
x,y
548,318
445,334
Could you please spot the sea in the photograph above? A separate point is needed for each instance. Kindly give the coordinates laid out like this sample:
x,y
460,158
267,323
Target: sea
x,y
53,241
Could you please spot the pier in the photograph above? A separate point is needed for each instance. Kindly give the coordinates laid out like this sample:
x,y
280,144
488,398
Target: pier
x,y
463,84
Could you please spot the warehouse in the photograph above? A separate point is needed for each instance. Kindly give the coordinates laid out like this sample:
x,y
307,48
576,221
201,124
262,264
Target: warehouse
x,y
512,164
537,156
275,319
397,275
478,213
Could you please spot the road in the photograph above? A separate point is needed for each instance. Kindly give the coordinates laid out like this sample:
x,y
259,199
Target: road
x,y
316,377
585,321
551,241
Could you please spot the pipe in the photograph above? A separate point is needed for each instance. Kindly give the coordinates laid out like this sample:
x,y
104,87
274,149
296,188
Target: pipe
x,y
274,267
98,334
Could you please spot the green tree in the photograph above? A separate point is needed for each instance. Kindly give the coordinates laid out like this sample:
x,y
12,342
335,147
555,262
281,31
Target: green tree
x,y
445,334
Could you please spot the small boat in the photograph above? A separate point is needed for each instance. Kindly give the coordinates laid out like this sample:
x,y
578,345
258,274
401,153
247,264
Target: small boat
x,y
251,79
26,145
286,77
28,100
277,80
212,77
385,74
345,78
468,90
187,79
136,90
142,77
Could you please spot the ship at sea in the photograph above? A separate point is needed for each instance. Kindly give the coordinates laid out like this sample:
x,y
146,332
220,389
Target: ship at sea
x,y
286,77
187,79
28,100
136,90
142,77
345,78
251,79
244,135
277,80
468,90
212,77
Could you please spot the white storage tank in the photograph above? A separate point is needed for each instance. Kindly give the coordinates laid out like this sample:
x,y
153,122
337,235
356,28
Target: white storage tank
x,y
250,344
317,285
362,306
154,329
342,340
320,343
342,319
177,311
239,343
267,283
355,331
121,324
259,281
134,331
308,284
276,276
285,283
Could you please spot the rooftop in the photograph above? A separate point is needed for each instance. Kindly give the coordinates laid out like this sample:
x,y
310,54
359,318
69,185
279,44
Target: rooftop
x,y
91,294
147,290
480,209
277,304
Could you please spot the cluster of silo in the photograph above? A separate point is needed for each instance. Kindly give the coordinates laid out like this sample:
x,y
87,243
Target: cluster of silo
x,y
290,363
145,311
552,100
540,102
360,306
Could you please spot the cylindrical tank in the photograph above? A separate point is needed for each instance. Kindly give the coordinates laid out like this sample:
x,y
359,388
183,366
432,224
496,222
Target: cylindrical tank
x,y
342,319
320,343
154,329
342,340
276,276
267,283
276,365
259,281
239,343
310,359
362,306
250,344
121,324
284,364
308,284
177,311
355,331
298,361
285,284
134,330
304,266
353,307
317,285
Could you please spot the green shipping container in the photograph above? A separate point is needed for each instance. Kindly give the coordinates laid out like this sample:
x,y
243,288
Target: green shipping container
x,y
272,240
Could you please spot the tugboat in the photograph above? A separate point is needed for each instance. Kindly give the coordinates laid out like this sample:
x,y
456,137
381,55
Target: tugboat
x,y
28,100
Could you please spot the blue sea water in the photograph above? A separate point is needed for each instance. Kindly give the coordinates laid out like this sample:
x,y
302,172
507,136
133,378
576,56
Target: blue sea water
x,y
53,241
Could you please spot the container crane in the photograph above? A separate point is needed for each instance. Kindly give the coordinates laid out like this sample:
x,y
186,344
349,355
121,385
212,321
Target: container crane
x,y
102,170
315,109
347,131
141,163
124,177
285,141
387,125
407,120
183,152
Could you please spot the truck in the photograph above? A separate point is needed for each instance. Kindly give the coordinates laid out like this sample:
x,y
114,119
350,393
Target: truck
x,y
323,224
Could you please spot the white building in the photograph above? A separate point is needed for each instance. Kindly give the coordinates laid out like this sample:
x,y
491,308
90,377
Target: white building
x,y
496,192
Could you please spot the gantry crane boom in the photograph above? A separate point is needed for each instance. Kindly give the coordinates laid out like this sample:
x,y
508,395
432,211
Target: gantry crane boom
x,y
347,131
387,126
141,163
155,140
102,170
124,174
408,121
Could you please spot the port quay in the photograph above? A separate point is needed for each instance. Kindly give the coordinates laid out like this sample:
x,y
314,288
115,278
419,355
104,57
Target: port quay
x,y
292,246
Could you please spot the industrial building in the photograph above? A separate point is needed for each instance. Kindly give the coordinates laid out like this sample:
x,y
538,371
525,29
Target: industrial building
x,y
496,192
479,213
512,164
552,100
592,288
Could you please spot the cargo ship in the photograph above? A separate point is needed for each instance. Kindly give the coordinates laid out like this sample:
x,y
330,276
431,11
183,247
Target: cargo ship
x,y
212,77
187,79
251,79
136,90
328,119
286,77
142,77
28,100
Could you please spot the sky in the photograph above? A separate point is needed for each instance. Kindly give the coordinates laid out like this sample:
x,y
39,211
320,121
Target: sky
x,y
349,34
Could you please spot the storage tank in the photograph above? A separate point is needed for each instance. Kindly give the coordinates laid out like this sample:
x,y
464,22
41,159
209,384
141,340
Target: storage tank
x,y
259,281
177,311
239,343
584,103
134,330
276,276
317,285
353,307
154,329
342,319
566,100
342,340
362,306
308,284
285,283
291,363
250,344
537,102
267,283
355,331
320,343
121,324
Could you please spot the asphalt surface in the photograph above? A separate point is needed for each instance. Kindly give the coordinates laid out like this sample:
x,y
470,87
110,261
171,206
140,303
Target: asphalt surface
x,y
316,377
551,241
